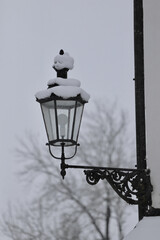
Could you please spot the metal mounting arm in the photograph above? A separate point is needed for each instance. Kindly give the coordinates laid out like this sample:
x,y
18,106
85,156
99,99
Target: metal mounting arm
x,y
132,185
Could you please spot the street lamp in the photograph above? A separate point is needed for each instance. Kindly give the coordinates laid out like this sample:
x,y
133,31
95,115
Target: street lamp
x,y
62,108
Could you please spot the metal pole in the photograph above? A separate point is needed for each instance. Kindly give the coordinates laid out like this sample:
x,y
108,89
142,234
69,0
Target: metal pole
x,y
139,90
62,165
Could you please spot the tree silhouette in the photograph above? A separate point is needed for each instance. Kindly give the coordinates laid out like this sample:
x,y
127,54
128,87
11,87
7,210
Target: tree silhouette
x,y
72,209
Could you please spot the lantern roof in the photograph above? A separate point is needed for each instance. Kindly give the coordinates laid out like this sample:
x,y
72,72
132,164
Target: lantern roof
x,y
65,92
63,87
64,82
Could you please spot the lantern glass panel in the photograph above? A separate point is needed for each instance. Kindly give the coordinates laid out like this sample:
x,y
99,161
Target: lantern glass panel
x,y
65,115
78,117
49,116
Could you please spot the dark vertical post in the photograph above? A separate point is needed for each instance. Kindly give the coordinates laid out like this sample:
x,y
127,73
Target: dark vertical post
x,y
139,90
63,165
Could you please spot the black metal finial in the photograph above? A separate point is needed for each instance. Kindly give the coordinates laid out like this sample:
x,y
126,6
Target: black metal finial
x,y
61,52
62,73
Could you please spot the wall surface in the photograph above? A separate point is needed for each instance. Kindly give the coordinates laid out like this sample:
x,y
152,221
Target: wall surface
x,y
147,228
152,92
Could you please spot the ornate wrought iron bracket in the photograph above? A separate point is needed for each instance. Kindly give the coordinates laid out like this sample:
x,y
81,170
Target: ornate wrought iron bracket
x,y
132,185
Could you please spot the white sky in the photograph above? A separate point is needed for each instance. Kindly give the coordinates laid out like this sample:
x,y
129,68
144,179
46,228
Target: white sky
x,y
98,34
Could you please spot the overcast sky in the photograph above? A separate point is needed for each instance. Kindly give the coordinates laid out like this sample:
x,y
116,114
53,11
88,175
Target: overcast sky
x,y
98,34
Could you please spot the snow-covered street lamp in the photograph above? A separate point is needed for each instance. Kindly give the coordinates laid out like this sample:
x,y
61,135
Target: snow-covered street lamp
x,y
62,108
62,105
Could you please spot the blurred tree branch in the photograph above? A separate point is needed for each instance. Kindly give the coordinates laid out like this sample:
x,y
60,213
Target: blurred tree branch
x,y
71,209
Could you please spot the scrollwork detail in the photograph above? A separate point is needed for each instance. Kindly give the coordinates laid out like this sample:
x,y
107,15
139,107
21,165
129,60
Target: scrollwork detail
x,y
92,177
133,185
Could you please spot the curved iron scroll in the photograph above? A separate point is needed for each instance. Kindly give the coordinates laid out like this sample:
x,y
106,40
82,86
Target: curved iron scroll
x,y
133,186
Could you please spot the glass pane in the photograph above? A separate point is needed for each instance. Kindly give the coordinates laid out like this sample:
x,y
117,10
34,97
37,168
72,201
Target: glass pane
x,y
77,123
62,115
48,110
71,114
65,113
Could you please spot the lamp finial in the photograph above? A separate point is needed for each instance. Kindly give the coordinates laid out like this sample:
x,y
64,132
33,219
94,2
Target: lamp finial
x,y
61,52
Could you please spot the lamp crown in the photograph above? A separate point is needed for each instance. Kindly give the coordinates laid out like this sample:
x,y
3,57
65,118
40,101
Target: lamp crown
x,y
63,63
61,52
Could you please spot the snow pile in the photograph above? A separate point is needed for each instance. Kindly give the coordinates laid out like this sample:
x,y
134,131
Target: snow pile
x,y
63,61
64,82
65,88
148,228
64,92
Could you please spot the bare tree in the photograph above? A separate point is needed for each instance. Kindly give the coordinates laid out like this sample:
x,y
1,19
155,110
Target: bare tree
x,y
33,223
72,209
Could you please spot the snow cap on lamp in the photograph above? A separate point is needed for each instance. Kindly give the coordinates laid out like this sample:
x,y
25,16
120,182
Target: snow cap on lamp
x,y
62,86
